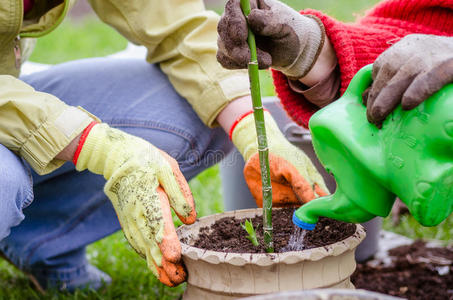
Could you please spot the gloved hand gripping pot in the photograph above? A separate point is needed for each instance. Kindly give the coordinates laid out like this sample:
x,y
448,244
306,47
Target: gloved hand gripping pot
x,y
143,183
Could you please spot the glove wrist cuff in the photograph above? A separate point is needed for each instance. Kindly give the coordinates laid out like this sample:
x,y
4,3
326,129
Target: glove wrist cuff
x,y
244,136
82,140
312,42
239,119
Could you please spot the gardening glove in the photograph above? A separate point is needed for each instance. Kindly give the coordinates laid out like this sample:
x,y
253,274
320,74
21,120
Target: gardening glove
x,y
294,178
286,40
143,182
408,73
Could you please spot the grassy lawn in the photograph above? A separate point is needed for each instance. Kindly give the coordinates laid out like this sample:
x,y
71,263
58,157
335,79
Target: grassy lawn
x,y
131,278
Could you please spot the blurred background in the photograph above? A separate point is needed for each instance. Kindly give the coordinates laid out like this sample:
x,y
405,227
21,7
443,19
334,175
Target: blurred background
x,y
83,35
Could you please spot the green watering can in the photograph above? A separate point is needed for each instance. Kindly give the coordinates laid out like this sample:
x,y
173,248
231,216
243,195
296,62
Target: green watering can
x,y
410,157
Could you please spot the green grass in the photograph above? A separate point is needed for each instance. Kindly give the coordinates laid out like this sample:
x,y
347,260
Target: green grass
x,y
132,280
411,228
70,41
345,10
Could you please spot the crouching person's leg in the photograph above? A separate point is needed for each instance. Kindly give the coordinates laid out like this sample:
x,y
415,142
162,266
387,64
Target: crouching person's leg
x,y
16,190
70,209
16,193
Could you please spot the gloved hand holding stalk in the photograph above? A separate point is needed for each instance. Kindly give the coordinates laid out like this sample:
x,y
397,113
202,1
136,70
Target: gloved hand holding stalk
x,y
261,134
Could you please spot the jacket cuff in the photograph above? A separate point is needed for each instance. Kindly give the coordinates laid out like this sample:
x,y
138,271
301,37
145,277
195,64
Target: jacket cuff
x,y
220,95
52,136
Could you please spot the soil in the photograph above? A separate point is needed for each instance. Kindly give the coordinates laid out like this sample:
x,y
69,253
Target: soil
x,y
415,272
227,235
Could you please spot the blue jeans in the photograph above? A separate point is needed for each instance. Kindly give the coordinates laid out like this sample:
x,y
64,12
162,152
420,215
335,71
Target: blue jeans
x,y
70,210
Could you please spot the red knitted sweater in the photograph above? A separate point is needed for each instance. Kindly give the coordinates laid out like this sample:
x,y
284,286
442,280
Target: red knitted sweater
x,y
360,43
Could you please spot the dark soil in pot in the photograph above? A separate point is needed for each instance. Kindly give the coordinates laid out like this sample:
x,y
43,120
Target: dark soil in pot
x,y
415,272
227,235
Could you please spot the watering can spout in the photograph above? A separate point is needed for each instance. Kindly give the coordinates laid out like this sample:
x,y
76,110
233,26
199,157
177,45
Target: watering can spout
x,y
410,157
337,206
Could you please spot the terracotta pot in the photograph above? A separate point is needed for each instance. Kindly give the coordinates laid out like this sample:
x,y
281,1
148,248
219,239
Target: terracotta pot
x,y
218,275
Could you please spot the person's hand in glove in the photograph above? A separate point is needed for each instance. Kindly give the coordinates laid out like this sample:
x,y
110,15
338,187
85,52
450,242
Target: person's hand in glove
x,y
286,40
294,178
408,73
143,183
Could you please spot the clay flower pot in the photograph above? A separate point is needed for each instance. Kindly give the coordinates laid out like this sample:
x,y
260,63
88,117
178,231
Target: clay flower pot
x,y
218,275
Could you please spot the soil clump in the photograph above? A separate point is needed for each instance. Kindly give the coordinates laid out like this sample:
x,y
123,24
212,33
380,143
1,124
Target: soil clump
x,y
415,272
227,235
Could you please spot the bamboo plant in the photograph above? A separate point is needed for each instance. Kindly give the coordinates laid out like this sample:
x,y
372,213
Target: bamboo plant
x,y
263,151
248,227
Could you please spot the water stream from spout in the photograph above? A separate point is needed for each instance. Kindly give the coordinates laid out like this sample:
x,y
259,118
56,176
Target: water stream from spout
x,y
296,240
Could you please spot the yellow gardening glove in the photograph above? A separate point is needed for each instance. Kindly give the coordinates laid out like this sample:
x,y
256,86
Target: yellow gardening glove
x,y
142,183
294,178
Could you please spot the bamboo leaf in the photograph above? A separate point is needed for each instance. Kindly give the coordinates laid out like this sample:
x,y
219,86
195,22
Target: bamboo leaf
x,y
248,226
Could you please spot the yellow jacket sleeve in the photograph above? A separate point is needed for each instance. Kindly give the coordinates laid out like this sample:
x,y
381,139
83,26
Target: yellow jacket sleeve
x,y
37,126
180,35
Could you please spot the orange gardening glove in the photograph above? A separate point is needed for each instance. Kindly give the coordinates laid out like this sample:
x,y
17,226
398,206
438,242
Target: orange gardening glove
x,y
143,182
294,178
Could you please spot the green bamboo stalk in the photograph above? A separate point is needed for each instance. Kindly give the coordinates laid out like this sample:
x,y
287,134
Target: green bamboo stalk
x,y
258,114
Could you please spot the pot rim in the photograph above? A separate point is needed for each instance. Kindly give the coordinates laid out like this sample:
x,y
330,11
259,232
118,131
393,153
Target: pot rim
x,y
263,259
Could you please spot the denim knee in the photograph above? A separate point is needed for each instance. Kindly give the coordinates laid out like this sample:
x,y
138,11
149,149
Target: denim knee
x,y
16,190
194,146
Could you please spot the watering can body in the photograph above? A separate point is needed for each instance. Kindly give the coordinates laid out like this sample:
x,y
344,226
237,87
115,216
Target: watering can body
x,y
411,157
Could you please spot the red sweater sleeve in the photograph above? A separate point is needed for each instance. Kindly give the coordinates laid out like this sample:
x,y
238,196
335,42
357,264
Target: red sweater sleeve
x,y
358,44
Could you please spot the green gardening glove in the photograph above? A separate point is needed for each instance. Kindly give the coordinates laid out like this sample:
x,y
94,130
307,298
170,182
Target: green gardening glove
x,y
142,184
294,178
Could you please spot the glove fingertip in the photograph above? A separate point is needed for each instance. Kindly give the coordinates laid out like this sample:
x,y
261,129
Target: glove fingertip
x,y
175,272
188,215
189,219
162,275
409,102
183,203
371,116
377,113
170,274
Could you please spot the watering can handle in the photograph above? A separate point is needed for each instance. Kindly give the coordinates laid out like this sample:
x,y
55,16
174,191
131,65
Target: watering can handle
x,y
361,81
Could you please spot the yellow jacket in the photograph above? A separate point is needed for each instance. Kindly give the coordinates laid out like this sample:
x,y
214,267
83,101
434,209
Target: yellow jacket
x,y
179,34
